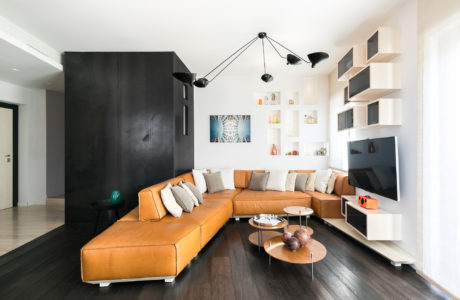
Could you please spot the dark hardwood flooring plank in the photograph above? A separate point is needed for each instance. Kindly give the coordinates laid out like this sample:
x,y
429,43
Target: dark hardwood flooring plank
x,y
228,267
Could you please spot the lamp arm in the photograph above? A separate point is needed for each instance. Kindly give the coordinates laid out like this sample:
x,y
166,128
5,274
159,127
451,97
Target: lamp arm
x,y
269,38
249,44
252,40
276,49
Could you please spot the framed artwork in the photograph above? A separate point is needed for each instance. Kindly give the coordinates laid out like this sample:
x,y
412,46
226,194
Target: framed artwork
x,y
230,128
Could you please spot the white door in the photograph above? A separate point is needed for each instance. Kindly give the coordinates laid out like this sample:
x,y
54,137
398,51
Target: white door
x,y
6,158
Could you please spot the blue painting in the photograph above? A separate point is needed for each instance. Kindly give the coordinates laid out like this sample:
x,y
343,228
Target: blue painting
x,y
230,128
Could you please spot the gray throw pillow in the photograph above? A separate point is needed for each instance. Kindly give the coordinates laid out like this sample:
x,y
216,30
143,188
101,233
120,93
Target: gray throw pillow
x,y
195,191
301,181
182,198
258,181
214,182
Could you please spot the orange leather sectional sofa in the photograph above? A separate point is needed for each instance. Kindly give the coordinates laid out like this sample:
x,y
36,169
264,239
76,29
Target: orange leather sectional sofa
x,y
150,244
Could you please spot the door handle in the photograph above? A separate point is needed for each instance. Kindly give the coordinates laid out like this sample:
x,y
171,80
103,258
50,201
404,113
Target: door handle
x,y
8,158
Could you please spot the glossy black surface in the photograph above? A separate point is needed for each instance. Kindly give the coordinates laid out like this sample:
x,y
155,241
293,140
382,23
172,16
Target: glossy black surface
x,y
373,113
123,126
373,45
345,120
372,166
357,219
345,63
359,82
229,267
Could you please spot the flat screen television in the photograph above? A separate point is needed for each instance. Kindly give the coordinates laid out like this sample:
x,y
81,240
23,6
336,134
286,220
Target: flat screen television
x,y
373,166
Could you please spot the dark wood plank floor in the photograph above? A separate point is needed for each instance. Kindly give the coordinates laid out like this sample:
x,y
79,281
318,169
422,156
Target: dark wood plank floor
x,y
227,268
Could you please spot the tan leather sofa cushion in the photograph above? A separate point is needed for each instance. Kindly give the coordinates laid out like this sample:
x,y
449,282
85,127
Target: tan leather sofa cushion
x,y
341,186
325,205
268,195
140,249
255,202
225,194
133,215
188,177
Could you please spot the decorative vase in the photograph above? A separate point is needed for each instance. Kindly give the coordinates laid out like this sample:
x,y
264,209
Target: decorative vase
x,y
273,99
291,101
274,151
260,101
269,119
266,100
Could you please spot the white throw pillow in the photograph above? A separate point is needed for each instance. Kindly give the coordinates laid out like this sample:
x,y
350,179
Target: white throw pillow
x,y
310,185
169,201
322,180
227,177
277,180
199,180
187,189
290,182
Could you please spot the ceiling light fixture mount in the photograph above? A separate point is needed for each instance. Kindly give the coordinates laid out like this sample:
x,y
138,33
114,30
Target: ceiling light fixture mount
x,y
291,59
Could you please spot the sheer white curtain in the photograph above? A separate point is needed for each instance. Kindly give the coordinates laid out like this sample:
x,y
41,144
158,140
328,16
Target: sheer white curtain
x,y
441,152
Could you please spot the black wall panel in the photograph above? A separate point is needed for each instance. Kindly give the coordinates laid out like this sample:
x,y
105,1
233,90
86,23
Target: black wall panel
x,y
120,126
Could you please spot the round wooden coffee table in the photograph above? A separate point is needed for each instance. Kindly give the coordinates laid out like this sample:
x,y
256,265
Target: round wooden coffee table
x,y
299,211
313,252
264,233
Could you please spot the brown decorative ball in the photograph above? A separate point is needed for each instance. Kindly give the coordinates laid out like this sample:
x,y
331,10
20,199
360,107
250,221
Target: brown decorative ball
x,y
285,236
295,152
293,244
302,235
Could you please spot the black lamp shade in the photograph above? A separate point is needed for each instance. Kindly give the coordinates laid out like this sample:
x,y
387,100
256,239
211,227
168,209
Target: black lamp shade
x,y
267,77
316,57
293,60
201,82
187,78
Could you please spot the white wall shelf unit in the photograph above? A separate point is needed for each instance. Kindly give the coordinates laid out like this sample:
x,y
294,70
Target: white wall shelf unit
x,y
291,123
384,112
383,45
375,81
291,98
274,138
352,62
352,117
273,117
314,148
309,117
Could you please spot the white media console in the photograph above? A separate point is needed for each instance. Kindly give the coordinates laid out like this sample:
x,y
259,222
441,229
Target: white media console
x,y
373,228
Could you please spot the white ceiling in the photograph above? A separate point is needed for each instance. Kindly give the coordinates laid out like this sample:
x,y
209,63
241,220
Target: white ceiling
x,y
203,32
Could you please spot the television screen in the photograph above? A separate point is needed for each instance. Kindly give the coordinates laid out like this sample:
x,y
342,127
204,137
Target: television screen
x,y
373,166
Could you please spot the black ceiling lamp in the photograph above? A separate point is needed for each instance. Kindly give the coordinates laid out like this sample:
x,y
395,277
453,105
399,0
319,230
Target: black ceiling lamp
x,y
291,59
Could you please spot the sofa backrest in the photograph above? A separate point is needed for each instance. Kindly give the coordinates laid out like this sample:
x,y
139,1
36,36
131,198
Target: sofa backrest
x,y
341,186
242,178
151,206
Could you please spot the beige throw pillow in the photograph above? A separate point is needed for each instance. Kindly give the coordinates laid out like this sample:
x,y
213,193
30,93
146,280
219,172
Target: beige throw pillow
x,y
214,182
195,191
310,186
331,183
187,189
169,202
258,181
182,198
290,182
301,181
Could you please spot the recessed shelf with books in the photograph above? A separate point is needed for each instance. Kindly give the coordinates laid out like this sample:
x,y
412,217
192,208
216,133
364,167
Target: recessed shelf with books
x,y
374,81
384,45
352,62
267,98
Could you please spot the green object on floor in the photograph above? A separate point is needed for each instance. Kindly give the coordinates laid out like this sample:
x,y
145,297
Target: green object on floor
x,y
115,198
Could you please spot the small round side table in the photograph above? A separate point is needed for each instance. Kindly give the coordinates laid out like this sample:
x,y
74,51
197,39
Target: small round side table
x,y
299,211
264,233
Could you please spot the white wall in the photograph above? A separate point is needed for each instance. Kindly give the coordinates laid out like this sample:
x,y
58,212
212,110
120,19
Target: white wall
x,y
405,18
234,95
32,141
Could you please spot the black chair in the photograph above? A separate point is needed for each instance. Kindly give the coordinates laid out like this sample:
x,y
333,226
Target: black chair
x,y
110,206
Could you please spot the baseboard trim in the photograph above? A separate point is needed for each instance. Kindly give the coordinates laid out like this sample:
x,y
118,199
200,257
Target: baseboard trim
x,y
437,285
